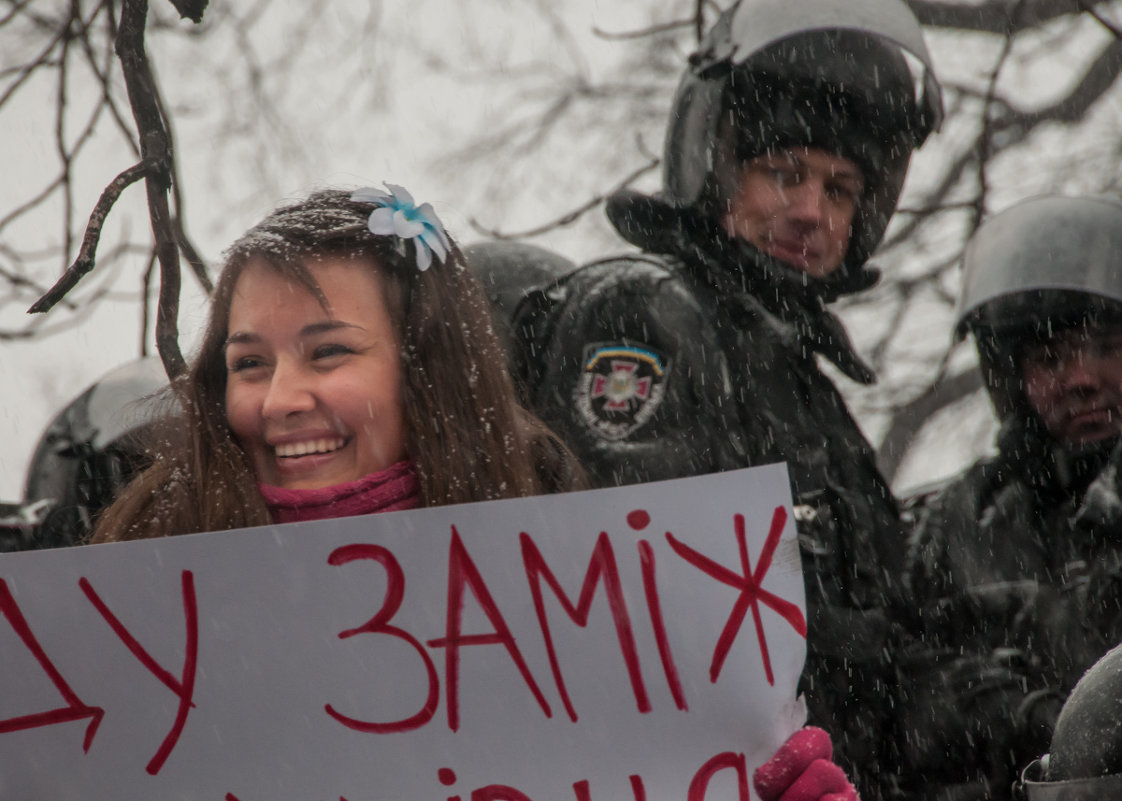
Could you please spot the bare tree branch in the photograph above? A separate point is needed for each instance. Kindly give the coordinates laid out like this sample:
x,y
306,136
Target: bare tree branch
x,y
1090,8
1102,75
994,16
154,147
194,260
88,252
145,293
909,418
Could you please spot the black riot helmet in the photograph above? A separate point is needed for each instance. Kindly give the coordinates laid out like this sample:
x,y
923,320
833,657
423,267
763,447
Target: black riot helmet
x,y
832,74
1084,760
518,278
89,451
510,271
1042,266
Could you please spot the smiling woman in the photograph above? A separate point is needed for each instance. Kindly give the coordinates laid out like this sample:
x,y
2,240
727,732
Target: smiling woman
x,y
314,396
349,366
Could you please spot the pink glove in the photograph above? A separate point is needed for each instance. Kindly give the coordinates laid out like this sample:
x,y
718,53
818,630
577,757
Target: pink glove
x,y
802,770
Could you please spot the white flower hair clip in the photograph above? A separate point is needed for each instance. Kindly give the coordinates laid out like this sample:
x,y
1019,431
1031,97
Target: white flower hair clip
x,y
397,215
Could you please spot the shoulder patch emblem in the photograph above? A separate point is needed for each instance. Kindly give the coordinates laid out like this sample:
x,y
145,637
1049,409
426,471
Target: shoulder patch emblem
x,y
620,388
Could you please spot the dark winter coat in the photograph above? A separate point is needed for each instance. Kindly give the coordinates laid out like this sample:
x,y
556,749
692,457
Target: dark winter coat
x,y
1016,570
700,356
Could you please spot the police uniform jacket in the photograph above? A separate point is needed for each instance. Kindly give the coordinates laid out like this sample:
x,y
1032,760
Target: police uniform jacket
x,y
701,355
1016,574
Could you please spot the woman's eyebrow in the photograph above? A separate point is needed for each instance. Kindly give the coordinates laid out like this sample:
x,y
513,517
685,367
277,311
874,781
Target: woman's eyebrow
x,y
248,337
325,326
241,337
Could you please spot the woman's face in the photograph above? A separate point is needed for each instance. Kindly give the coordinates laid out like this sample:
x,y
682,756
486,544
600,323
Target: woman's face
x,y
313,394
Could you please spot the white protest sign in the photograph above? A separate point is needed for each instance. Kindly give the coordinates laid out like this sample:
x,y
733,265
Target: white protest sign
x,y
636,643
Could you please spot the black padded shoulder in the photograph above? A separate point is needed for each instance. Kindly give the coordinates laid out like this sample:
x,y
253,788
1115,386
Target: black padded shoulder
x,y
626,366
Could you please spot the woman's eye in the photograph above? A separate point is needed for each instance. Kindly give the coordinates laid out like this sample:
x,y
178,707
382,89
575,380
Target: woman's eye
x,y
243,363
329,350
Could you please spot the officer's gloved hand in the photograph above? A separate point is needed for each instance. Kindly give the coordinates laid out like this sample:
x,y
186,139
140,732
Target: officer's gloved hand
x,y
802,770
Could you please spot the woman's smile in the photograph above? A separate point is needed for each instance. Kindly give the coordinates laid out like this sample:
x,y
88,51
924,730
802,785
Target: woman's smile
x,y
292,450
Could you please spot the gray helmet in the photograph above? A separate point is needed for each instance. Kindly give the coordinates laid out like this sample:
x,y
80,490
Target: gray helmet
x,y
828,73
1045,263
515,275
509,271
1084,760
87,453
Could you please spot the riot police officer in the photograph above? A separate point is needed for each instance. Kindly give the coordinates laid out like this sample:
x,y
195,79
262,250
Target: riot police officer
x,y
788,143
1016,563
85,456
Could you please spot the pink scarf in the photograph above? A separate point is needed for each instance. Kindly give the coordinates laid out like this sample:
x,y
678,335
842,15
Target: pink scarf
x,y
389,490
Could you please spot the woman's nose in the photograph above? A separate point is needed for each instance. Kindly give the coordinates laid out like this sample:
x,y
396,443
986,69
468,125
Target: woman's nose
x,y
290,392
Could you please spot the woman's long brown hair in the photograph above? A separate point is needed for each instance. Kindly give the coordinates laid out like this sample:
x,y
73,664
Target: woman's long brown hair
x,y
467,436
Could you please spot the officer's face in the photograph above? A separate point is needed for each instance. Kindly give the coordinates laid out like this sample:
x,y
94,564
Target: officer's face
x,y
1074,383
797,205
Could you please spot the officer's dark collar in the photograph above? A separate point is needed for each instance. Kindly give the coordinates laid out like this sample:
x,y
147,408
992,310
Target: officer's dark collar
x,y
1053,470
706,250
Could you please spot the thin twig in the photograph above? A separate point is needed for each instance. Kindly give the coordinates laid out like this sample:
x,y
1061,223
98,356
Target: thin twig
x,y
191,254
1089,7
13,12
653,30
60,137
102,74
985,138
43,196
37,329
88,251
186,246
17,280
906,419
569,217
40,60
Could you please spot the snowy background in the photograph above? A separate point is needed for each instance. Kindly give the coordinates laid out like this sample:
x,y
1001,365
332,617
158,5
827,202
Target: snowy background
x,y
505,115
